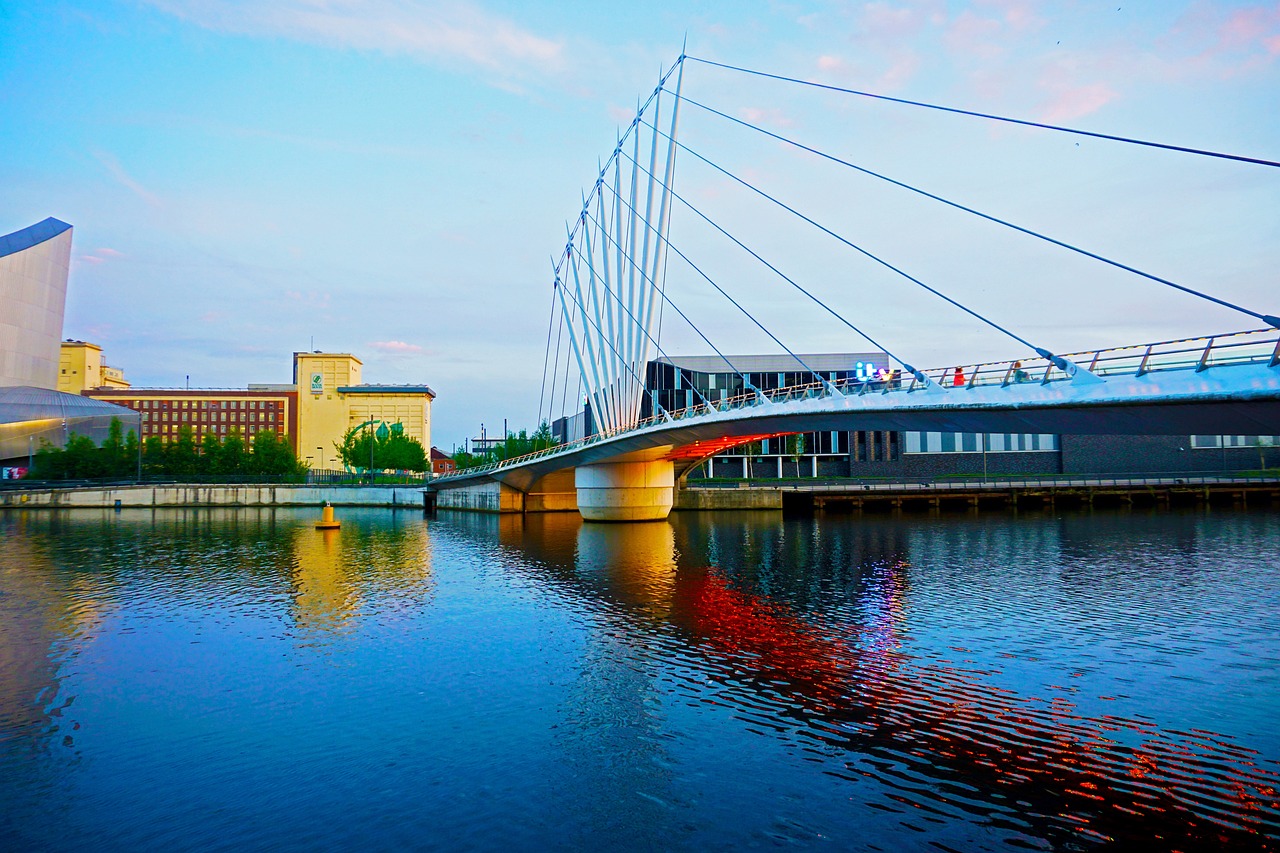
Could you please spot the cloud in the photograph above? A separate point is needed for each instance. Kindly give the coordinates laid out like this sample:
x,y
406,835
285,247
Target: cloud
x,y
395,347
1077,101
310,299
769,116
445,30
1209,41
1020,15
622,115
115,170
99,256
973,36
881,21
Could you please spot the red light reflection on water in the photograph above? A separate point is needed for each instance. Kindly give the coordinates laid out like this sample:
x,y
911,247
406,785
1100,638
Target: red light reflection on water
x,y
1084,775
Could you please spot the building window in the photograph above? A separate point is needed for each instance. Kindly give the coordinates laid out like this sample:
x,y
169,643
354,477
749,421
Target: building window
x,y
967,442
1207,442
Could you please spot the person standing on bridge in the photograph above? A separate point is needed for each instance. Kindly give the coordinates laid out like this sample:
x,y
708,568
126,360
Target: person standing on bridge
x,y
959,378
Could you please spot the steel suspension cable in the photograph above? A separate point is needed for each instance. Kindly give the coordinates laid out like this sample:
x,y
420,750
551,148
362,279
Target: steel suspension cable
x,y
620,302
546,354
847,242
668,301
551,407
906,365
1111,137
1266,318
600,332
750,317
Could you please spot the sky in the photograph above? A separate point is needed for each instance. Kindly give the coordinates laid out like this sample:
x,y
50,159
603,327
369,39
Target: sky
x,y
393,178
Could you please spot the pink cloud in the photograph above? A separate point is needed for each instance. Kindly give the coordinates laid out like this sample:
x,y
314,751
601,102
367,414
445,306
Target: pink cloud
x,y
756,115
881,20
99,256
395,347
621,115
311,298
972,36
904,66
1077,101
441,31
1228,44
1020,15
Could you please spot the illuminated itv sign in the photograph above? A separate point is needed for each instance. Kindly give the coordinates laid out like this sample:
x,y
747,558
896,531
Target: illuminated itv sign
x,y
869,371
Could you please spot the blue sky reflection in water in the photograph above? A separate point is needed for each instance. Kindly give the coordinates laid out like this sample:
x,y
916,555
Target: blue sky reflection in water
x,y
238,680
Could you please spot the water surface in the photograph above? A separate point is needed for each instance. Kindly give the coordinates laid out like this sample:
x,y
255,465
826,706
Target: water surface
x,y
234,679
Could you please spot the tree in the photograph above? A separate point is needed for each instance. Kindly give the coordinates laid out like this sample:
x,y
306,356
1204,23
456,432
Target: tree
x,y
232,458
795,448
180,456
401,453
272,455
153,461
462,459
210,454
129,465
112,449
391,449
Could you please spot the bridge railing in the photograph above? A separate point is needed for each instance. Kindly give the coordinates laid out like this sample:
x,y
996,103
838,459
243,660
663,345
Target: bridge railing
x,y
1251,347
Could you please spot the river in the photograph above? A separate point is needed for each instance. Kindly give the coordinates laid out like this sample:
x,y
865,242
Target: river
x,y
236,680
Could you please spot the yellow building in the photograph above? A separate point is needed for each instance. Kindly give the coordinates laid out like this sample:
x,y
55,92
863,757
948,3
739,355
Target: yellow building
x,y
81,369
332,400
313,413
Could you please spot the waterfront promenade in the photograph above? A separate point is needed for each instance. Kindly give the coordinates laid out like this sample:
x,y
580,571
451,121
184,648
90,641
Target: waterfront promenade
x,y
793,495
46,496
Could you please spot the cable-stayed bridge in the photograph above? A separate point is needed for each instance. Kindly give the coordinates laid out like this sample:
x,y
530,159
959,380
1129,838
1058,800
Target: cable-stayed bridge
x,y
611,300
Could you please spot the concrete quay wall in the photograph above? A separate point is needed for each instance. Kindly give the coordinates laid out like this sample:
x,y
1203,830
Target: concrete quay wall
x,y
200,496
726,499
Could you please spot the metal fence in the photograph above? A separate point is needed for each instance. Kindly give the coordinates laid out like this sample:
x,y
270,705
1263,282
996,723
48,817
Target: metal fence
x,y
938,484
1251,347
312,478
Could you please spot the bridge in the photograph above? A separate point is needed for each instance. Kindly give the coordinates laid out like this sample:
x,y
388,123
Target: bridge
x,y
610,292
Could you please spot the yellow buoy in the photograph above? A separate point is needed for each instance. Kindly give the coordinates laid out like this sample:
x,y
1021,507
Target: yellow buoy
x,y
327,521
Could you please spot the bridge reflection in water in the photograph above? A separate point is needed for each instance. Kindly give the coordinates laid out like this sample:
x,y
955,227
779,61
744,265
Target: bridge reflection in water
x,y
944,736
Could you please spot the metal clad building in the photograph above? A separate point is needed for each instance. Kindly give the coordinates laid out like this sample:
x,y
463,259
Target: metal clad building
x,y
33,293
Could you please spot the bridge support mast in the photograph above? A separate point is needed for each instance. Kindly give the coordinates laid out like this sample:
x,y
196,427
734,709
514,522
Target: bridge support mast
x,y
626,491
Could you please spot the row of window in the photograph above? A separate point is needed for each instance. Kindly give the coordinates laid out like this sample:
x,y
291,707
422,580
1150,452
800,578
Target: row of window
x,y
210,417
1204,442
165,405
168,431
970,442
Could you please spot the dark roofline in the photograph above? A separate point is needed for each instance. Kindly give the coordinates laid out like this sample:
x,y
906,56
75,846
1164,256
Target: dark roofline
x,y
386,389
33,235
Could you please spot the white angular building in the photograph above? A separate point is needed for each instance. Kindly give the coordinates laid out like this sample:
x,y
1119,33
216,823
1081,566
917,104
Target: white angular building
x,y
34,263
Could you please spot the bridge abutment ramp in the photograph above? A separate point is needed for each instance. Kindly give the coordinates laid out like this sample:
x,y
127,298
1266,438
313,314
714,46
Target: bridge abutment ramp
x,y
626,491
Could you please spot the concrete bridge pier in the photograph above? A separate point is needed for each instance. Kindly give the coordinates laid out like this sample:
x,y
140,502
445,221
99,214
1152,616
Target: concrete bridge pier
x,y
626,491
